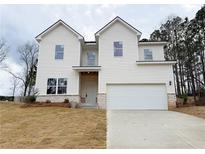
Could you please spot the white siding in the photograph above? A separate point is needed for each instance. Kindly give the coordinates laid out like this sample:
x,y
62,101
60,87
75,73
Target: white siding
x,y
157,51
124,69
48,67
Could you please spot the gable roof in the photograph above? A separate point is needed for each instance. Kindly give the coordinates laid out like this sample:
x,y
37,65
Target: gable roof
x,y
39,36
117,18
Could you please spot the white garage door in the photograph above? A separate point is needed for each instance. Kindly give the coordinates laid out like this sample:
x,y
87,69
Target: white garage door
x,y
136,97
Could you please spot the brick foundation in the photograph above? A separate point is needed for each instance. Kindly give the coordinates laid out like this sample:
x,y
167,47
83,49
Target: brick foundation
x,y
171,100
58,98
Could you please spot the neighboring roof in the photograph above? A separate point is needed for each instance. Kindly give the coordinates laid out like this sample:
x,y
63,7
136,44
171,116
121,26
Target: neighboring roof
x,y
120,20
38,37
152,43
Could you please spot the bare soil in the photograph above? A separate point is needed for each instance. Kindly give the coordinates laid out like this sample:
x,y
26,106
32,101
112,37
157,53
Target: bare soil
x,y
198,111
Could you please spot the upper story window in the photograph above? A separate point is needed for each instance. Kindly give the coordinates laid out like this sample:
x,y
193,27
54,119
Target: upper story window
x,y
118,48
62,85
91,56
59,51
148,54
51,86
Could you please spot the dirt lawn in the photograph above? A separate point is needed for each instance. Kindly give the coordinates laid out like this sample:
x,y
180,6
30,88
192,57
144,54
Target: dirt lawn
x,y
198,111
51,127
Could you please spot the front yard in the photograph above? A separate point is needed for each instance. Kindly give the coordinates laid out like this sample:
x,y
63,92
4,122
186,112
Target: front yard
x,y
198,111
51,127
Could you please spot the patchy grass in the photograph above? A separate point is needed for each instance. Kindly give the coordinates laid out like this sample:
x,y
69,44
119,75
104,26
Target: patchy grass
x,y
198,111
56,127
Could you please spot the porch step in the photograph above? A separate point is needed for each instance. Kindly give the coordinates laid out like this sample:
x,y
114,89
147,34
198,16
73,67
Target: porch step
x,y
88,106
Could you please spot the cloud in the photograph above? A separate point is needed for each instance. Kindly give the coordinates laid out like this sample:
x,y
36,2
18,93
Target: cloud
x,y
191,7
5,77
99,11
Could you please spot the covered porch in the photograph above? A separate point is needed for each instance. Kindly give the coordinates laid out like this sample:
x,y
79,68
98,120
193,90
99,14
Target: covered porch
x,y
88,89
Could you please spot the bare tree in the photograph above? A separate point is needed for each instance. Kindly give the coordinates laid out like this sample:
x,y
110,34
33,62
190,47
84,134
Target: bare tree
x,y
28,56
3,50
15,83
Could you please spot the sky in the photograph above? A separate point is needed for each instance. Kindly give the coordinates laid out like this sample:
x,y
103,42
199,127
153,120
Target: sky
x,y
21,23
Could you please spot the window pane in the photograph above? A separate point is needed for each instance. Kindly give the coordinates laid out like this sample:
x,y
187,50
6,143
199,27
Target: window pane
x,y
147,54
118,49
51,90
59,47
51,86
59,55
51,82
118,52
59,51
62,90
62,85
118,44
91,58
62,82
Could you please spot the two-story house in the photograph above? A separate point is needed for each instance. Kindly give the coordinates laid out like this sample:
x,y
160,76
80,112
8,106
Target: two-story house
x,y
116,71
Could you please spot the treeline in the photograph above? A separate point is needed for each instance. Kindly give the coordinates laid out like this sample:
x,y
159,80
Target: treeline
x,y
186,45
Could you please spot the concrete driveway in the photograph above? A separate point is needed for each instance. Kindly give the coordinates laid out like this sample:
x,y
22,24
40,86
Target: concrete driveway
x,y
154,129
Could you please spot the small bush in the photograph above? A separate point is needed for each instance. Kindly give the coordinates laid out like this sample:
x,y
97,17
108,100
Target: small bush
x,y
29,99
48,101
66,101
185,98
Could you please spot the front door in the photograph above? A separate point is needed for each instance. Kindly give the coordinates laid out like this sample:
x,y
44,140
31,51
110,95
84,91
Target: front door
x,y
89,84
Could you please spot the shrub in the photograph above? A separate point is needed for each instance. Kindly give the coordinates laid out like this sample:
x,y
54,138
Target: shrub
x,y
66,101
48,101
29,99
184,97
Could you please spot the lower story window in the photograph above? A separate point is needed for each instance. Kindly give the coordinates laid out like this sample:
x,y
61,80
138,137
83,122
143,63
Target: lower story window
x,y
51,86
62,86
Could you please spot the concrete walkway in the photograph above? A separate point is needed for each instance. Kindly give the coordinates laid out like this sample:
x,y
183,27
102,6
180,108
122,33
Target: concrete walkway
x,y
154,129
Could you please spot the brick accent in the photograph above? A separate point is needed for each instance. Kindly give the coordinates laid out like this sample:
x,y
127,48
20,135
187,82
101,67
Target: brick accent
x,y
101,100
171,100
58,98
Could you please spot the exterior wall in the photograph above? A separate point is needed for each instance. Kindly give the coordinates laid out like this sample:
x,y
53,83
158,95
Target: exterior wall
x,y
48,67
84,54
58,98
157,51
124,69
